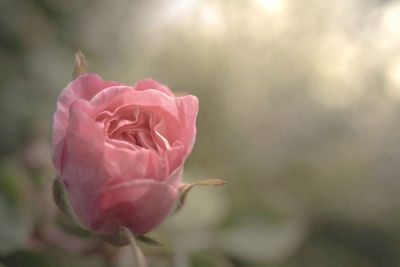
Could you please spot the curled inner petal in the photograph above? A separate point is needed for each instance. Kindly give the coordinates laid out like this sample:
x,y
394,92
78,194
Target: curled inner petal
x,y
134,126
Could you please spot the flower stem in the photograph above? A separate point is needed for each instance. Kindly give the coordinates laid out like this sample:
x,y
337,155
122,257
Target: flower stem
x,y
137,252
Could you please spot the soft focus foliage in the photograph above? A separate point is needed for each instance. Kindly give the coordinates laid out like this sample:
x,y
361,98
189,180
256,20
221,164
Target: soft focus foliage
x,y
299,104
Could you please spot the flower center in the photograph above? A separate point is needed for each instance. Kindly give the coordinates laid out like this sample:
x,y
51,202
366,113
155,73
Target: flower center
x,y
135,128
137,133
129,126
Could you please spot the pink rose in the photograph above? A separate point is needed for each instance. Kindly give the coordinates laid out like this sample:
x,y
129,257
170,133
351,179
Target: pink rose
x,y
120,151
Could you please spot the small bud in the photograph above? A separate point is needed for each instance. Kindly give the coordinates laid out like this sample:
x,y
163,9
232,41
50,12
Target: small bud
x,y
80,65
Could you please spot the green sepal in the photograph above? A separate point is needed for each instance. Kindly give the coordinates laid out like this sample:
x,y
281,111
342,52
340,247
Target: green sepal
x,y
60,198
69,226
120,239
149,240
62,201
186,188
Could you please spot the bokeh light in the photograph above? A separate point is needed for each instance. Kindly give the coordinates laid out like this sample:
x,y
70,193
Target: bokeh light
x,y
274,6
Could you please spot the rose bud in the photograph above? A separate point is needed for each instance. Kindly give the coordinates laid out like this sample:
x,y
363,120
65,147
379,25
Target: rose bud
x,y
120,151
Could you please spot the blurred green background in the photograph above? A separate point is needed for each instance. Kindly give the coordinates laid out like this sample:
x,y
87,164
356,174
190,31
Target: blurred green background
x,y
299,112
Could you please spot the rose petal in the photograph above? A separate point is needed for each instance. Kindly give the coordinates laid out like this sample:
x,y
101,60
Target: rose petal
x,y
188,107
140,205
129,164
84,168
84,87
152,84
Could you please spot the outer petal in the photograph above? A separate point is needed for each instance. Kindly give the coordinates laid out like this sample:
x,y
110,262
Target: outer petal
x,y
140,205
84,87
188,108
85,169
152,84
